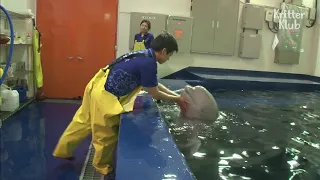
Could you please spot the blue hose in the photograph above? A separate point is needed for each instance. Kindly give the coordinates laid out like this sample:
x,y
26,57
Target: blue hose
x,y
11,45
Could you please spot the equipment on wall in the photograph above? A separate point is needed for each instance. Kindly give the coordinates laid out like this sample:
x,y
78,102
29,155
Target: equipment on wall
x,y
11,45
251,40
181,29
313,15
158,24
289,30
290,34
215,25
213,28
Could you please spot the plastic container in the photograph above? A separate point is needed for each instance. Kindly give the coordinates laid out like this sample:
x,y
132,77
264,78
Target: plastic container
x,y
22,93
10,99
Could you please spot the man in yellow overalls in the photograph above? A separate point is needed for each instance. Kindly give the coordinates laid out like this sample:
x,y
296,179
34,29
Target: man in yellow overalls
x,y
112,91
143,39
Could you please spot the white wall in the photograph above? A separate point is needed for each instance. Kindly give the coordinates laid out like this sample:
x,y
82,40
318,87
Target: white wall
x,y
182,8
15,5
20,6
317,45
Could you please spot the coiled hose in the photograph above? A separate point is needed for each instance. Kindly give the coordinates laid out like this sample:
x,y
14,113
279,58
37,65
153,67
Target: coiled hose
x,y
11,45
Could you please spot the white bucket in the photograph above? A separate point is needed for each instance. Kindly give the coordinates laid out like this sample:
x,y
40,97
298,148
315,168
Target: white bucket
x,y
10,100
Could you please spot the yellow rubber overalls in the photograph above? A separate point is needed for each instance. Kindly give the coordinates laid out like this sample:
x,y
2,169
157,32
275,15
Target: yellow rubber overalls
x,y
100,114
139,46
37,59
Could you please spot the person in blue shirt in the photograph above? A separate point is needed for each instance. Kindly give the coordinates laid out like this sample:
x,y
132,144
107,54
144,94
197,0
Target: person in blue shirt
x,y
143,39
112,91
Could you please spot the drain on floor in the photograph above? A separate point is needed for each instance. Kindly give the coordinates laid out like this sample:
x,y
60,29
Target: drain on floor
x,y
88,171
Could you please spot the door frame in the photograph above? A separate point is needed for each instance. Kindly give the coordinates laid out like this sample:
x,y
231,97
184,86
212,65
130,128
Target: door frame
x,y
116,37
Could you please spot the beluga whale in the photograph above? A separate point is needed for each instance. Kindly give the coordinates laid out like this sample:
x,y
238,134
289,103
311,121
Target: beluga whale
x,y
202,111
201,104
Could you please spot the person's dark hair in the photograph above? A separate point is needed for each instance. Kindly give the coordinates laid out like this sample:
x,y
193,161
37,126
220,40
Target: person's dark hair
x,y
165,41
148,23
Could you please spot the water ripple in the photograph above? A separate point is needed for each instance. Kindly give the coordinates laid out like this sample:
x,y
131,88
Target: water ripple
x,y
258,136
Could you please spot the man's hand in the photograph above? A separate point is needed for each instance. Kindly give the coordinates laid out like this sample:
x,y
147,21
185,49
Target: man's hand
x,y
183,105
161,95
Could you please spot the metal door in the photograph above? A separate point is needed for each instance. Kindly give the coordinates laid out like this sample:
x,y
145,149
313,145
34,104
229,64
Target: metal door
x,y
226,27
204,14
79,38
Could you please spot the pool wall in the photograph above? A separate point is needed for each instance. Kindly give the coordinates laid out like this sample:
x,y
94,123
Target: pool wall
x,y
228,79
146,149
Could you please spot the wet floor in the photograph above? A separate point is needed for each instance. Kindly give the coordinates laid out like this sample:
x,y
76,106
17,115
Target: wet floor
x,y
28,139
258,136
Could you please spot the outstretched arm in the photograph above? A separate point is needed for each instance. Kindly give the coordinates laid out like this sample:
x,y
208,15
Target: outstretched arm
x,y
157,94
162,88
158,91
160,95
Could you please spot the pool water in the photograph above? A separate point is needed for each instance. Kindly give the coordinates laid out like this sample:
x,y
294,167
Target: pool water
x,y
258,136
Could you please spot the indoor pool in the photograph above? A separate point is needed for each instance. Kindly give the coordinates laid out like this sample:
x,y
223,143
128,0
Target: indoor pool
x,y
258,136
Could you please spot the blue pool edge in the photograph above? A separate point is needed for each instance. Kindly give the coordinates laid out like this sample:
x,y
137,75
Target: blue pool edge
x,y
146,149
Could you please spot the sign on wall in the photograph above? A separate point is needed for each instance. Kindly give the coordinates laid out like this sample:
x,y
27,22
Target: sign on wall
x,y
148,17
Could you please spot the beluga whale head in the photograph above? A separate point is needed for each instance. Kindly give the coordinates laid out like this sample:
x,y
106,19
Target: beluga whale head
x,y
201,103
202,112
